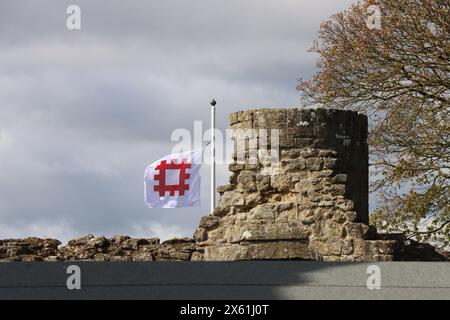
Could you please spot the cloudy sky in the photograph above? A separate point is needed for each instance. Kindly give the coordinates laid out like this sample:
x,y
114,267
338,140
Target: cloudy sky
x,y
83,112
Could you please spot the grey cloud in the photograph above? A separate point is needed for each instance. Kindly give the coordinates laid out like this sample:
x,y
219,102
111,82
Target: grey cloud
x,y
202,23
82,113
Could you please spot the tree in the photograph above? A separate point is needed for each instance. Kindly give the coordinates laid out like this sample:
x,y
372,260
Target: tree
x,y
397,73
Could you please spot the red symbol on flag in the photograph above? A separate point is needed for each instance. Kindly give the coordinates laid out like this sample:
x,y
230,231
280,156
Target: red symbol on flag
x,y
181,187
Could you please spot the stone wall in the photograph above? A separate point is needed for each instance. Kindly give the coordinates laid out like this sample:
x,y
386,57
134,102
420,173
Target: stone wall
x,y
90,248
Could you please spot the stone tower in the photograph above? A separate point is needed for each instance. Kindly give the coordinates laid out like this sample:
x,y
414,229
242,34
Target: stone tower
x,y
312,204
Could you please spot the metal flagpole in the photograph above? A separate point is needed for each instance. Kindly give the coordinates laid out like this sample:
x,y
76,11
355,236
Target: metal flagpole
x,y
213,155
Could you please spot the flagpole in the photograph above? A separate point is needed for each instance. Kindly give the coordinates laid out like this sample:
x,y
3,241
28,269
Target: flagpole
x,y
213,155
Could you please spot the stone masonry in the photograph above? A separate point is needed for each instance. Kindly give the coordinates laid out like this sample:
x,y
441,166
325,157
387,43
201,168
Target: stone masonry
x,y
309,204
312,205
90,248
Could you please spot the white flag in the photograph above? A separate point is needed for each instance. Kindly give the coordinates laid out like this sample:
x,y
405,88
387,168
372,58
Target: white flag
x,y
174,181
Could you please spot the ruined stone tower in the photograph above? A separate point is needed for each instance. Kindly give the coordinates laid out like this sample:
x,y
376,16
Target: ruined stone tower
x,y
313,204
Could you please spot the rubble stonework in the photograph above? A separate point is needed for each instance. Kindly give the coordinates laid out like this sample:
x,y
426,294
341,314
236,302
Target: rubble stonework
x,y
312,204
90,248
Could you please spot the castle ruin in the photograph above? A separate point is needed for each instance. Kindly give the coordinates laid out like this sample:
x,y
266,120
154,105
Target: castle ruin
x,y
311,205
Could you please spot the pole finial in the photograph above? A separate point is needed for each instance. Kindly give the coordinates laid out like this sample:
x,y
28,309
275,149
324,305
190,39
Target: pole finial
x,y
213,102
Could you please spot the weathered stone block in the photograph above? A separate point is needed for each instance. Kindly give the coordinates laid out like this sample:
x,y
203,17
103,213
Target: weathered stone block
x,y
356,230
235,167
259,251
263,212
200,235
324,247
225,188
209,222
281,182
231,198
345,205
253,199
295,165
246,181
351,216
262,183
330,163
314,164
290,153
367,249
339,178
337,189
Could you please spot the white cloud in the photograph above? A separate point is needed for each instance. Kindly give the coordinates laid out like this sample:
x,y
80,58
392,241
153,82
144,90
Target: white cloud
x,y
55,230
